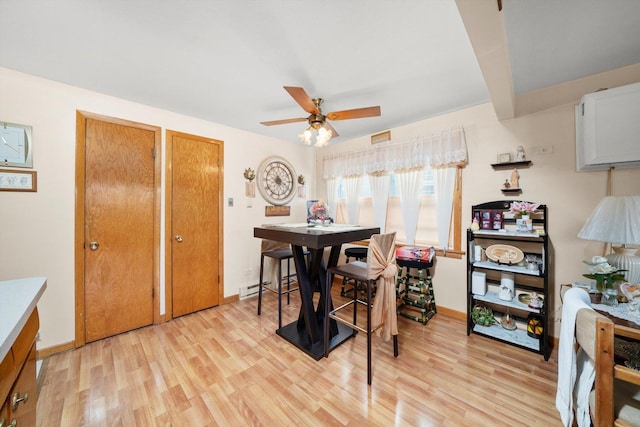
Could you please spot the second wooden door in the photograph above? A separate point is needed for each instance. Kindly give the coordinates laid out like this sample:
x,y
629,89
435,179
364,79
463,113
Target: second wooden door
x,y
195,194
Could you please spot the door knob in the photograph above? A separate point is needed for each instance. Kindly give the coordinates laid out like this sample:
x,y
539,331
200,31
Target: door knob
x,y
13,423
16,399
94,246
178,238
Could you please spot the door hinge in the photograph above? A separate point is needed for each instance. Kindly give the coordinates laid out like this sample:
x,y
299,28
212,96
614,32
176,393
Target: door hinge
x,y
582,109
153,152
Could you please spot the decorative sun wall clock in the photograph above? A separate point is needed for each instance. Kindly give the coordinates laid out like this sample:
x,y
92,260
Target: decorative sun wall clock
x,y
276,178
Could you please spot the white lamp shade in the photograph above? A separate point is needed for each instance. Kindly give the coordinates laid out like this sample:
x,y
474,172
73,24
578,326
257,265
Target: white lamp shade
x,y
616,219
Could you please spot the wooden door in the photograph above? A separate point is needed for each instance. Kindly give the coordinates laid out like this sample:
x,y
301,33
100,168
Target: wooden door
x,y
196,188
119,227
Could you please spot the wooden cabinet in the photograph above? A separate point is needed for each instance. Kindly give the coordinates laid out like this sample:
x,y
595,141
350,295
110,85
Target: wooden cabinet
x,y
507,284
18,389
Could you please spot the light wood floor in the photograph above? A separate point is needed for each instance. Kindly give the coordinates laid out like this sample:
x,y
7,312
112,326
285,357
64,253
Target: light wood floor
x,y
226,366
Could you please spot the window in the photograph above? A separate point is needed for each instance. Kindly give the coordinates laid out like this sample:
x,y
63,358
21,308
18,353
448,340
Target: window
x,y
427,232
444,151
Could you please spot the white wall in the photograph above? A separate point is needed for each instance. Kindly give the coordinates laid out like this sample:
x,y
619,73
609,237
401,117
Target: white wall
x,y
37,229
551,179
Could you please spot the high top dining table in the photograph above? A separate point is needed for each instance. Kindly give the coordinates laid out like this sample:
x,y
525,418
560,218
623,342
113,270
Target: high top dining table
x,y
307,333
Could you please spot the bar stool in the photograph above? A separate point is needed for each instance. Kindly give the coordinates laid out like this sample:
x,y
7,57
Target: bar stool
x,y
279,252
359,254
380,265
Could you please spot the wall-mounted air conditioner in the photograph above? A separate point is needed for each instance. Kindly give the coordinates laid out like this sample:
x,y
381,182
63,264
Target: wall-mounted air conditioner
x,y
608,129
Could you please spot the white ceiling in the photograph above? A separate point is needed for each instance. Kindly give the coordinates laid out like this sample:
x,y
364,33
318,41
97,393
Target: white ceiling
x,y
226,61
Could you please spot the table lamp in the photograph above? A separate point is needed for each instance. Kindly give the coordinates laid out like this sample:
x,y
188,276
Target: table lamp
x,y
616,220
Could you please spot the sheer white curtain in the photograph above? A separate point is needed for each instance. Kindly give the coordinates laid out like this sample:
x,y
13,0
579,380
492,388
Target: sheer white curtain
x,y
352,187
332,197
380,196
436,150
445,180
410,184
446,149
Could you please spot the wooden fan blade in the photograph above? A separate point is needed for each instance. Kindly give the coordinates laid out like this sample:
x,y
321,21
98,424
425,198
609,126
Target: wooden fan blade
x,y
284,122
328,126
357,113
302,98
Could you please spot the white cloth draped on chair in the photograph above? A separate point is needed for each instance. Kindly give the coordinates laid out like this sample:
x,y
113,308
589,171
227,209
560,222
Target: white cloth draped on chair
x,y
381,262
572,367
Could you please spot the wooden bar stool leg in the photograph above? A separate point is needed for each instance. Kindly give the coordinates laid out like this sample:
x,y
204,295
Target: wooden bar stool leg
x,y
260,285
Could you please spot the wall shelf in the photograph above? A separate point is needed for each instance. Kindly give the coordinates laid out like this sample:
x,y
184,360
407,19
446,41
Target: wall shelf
x,y
520,164
511,190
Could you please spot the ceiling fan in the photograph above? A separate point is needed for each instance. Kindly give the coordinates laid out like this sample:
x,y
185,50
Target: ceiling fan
x,y
316,118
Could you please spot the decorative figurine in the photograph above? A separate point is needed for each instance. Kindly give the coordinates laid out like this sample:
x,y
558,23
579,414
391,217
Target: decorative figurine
x,y
302,192
535,301
515,179
249,186
249,174
508,322
506,184
474,225
520,154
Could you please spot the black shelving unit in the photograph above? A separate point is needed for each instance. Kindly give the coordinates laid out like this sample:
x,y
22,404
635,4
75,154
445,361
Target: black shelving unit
x,y
534,244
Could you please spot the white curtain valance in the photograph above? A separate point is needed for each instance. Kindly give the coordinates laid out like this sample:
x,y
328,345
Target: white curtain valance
x,y
437,150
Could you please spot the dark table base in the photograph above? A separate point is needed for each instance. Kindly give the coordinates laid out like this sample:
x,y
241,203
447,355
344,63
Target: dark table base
x,y
300,339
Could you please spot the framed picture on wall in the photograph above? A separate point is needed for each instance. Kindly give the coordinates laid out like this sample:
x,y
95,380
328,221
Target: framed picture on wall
x,y
14,180
504,158
381,137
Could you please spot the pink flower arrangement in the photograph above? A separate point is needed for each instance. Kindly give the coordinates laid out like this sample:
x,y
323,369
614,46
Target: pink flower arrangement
x,y
319,210
523,208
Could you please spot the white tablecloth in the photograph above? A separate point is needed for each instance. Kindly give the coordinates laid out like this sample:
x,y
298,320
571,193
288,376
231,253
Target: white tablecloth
x,y
621,311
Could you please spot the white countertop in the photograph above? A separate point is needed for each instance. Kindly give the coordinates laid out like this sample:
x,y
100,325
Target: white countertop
x,y
18,298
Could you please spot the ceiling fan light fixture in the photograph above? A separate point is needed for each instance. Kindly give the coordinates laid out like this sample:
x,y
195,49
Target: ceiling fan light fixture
x,y
306,136
323,137
317,120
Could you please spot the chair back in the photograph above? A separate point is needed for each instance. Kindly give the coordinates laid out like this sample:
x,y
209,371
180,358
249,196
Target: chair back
x,y
382,249
586,330
381,265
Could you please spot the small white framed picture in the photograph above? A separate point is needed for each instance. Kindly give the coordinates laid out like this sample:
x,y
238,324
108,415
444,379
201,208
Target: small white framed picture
x,y
504,158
